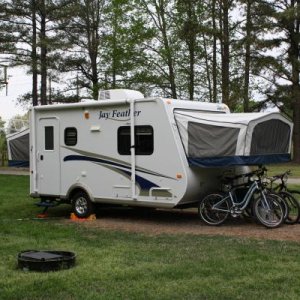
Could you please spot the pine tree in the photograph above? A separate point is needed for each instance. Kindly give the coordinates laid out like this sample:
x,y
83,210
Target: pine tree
x,y
31,25
81,32
162,48
283,67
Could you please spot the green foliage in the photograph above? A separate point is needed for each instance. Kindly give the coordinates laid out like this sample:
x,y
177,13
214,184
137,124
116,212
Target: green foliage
x,y
2,123
17,123
122,49
3,149
3,145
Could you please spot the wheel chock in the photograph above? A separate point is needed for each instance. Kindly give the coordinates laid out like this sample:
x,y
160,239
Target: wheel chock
x,y
73,217
42,216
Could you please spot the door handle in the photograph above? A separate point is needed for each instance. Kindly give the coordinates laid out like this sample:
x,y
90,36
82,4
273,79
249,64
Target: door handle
x,y
42,157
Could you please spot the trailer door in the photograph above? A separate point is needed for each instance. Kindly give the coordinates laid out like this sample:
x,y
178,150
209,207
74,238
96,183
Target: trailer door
x,y
48,156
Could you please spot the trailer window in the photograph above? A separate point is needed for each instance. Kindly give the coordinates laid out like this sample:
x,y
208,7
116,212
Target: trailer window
x,y
143,140
49,138
71,136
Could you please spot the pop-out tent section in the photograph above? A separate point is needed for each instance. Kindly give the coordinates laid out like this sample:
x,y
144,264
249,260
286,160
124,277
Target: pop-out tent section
x,y
18,148
218,140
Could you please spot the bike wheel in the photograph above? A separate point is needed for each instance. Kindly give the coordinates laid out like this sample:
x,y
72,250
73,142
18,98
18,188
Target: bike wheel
x,y
282,202
295,194
293,208
268,211
214,209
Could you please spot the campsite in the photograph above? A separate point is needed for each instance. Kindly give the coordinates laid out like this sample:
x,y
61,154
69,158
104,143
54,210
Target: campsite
x,y
145,239
149,149
115,263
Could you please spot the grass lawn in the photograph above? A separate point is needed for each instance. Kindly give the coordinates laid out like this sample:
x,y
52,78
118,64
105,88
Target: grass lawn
x,y
119,265
281,168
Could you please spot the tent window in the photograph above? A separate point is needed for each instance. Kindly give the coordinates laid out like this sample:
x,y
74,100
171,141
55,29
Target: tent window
x,y
270,137
71,136
49,138
144,142
211,141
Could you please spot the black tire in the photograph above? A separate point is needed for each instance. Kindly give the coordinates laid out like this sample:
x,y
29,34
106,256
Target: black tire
x,y
82,205
210,215
296,195
271,216
284,205
293,215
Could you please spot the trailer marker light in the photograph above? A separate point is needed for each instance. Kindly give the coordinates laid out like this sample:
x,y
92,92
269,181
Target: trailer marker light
x,y
86,115
178,176
95,129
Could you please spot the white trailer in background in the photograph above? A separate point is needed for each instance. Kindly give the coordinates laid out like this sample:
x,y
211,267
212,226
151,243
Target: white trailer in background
x,y
150,152
18,148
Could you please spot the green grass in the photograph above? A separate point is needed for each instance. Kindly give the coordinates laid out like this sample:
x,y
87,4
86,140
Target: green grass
x,y
281,168
119,265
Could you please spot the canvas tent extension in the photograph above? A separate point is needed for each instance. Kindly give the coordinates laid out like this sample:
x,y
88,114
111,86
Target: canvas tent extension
x,y
18,148
214,140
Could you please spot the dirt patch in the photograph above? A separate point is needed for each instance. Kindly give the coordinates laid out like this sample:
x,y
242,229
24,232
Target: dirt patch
x,y
154,222
14,171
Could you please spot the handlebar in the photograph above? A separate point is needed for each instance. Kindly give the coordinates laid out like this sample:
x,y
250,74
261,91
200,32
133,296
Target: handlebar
x,y
259,172
280,176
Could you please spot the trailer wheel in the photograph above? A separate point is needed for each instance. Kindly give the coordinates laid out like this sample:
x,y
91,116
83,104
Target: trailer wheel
x,y
82,205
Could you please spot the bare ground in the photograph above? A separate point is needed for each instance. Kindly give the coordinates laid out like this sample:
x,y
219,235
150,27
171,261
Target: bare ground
x,y
155,222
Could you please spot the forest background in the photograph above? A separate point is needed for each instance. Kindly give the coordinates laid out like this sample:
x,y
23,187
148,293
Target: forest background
x,y
244,53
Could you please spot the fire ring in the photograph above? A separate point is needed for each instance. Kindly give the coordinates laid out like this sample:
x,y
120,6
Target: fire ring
x,y
45,261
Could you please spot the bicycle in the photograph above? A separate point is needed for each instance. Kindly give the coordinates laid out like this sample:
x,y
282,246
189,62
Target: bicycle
x,y
293,206
215,208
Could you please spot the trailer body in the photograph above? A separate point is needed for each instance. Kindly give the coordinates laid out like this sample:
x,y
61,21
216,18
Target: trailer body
x,y
124,151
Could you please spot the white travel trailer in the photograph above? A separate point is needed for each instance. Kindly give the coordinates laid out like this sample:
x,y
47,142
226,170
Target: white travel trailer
x,y
18,148
18,144
150,152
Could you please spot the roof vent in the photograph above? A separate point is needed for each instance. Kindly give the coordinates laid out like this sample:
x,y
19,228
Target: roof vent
x,y
120,94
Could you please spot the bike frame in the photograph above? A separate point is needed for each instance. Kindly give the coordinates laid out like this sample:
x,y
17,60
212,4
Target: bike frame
x,y
245,201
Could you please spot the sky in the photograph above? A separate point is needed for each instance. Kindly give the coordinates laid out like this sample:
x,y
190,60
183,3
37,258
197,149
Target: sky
x,y
18,83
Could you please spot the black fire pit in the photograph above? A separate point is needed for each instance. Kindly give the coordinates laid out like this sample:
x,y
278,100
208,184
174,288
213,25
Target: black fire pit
x,y
45,261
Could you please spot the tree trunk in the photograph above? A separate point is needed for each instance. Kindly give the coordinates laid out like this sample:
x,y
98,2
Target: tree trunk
x,y
214,57
170,66
34,57
247,57
207,67
114,53
294,59
94,65
192,72
225,51
296,132
43,54
191,43
92,25
169,57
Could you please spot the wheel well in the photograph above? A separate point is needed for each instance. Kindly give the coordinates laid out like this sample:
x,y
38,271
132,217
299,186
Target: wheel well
x,y
75,191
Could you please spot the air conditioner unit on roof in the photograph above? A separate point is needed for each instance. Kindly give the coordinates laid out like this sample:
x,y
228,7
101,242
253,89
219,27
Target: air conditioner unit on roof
x,y
120,94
